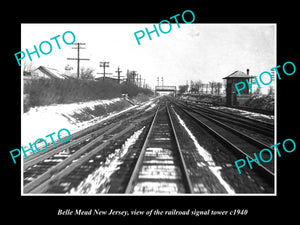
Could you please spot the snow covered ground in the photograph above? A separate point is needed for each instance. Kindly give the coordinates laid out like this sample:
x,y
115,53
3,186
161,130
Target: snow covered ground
x,y
96,181
41,121
208,160
251,115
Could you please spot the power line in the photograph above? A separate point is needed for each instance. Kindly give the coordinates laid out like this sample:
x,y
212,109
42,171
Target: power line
x,y
119,71
78,58
104,65
137,79
133,76
140,81
144,83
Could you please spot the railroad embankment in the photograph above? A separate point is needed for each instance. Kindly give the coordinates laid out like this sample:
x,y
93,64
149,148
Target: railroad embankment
x,y
42,92
42,120
265,102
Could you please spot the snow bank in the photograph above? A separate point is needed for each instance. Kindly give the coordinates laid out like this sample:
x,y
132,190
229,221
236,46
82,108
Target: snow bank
x,y
251,115
43,120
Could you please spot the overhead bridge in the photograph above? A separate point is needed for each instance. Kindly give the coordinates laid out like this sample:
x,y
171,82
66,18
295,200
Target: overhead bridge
x,y
165,89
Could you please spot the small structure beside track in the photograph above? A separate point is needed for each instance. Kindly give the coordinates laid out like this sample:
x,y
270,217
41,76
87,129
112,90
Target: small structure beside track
x,y
231,93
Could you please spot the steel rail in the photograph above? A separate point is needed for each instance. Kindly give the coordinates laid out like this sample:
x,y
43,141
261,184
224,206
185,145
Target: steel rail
x,y
188,183
265,172
248,123
184,172
60,166
80,136
135,172
263,123
41,183
41,157
236,132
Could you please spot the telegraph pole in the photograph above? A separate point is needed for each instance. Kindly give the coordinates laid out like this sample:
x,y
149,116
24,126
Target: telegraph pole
x,y
158,81
78,58
140,82
162,81
137,79
118,71
104,65
133,74
127,76
144,83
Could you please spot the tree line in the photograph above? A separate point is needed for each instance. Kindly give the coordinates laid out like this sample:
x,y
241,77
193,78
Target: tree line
x,y
198,87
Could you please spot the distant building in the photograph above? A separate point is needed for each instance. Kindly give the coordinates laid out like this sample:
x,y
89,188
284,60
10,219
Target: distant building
x,y
68,69
232,97
47,72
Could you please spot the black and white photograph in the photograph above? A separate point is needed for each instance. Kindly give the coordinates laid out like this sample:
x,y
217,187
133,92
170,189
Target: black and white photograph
x,y
150,113
178,114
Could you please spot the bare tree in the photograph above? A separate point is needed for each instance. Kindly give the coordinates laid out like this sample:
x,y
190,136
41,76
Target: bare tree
x,y
87,73
257,92
182,89
197,85
131,77
194,87
212,85
28,67
201,88
206,88
218,87
271,91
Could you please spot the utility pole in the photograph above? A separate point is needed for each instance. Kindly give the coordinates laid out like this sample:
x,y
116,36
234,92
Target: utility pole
x,y
162,81
137,80
104,65
140,81
158,81
118,71
127,77
144,81
133,76
78,58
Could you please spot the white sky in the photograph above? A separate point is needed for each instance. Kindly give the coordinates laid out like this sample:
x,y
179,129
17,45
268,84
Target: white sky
x,y
192,52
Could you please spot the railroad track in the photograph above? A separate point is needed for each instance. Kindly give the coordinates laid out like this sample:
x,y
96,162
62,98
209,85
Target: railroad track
x,y
260,127
239,143
41,171
249,109
160,167
154,164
